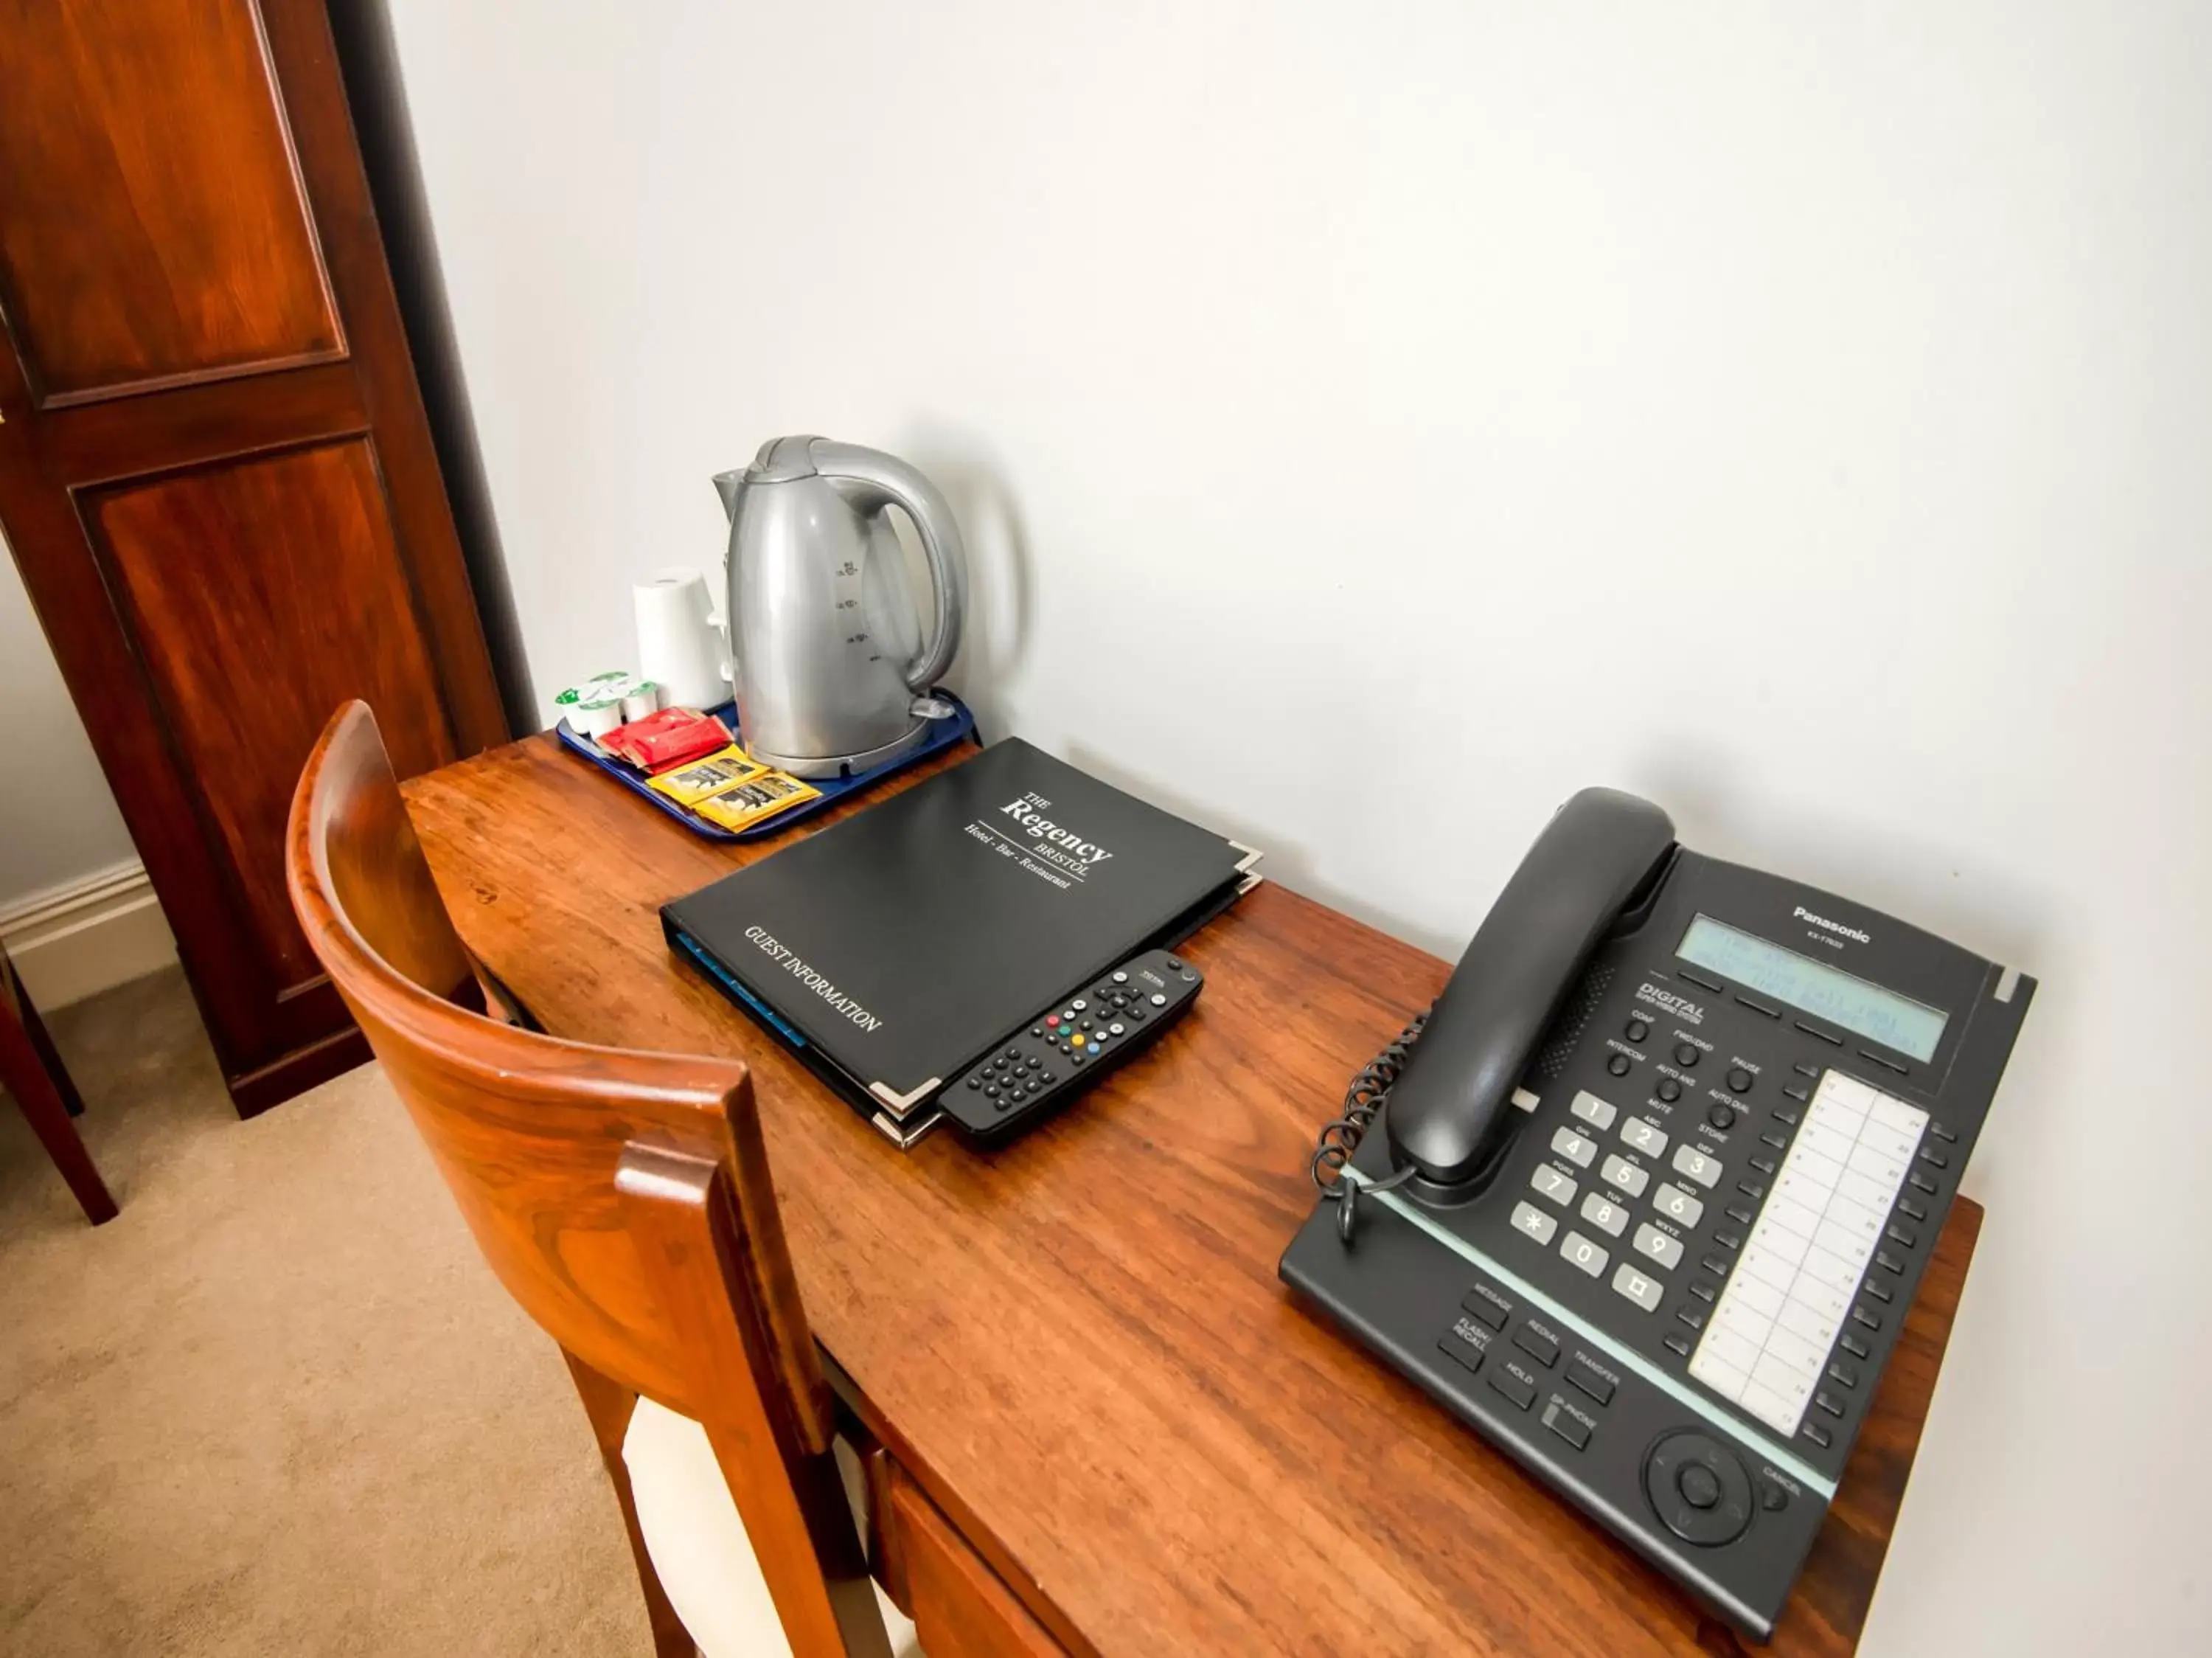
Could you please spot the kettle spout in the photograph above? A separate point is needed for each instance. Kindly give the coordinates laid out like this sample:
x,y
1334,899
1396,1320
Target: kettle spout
x,y
728,482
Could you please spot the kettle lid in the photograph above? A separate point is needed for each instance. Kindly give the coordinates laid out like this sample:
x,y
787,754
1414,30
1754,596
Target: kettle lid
x,y
781,460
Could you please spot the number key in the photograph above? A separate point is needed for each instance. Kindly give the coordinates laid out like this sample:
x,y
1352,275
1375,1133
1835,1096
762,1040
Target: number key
x,y
1527,1218
1607,1216
1580,1251
1703,1170
1549,1183
1677,1204
1646,1137
1577,1150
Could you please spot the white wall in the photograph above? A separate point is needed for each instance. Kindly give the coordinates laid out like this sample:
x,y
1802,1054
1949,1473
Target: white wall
x,y
58,821
1373,422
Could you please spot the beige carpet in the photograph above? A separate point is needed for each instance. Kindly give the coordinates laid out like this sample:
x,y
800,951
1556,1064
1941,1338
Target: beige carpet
x,y
278,1404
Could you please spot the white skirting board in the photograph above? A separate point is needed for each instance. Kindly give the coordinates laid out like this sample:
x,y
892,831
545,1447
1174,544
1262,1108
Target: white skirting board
x,y
77,940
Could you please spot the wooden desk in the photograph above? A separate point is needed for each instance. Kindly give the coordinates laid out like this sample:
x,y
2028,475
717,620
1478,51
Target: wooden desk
x,y
1079,1346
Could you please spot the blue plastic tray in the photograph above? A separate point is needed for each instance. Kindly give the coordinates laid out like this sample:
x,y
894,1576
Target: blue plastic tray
x,y
961,728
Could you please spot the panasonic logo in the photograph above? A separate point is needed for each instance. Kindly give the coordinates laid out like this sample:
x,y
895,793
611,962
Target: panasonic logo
x,y
1835,927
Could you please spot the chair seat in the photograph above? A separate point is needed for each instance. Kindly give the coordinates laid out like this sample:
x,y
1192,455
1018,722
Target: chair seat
x,y
699,1546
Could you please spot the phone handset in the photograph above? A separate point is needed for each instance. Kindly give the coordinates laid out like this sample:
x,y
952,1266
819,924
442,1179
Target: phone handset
x,y
1450,1104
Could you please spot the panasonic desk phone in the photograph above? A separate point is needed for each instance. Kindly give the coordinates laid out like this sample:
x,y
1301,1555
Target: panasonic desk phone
x,y
1655,1182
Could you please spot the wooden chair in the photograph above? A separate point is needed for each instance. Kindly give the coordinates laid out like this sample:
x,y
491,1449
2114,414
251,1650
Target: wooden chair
x,y
623,1199
32,1070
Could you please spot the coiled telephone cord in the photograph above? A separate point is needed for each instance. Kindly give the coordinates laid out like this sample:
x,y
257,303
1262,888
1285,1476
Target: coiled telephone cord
x,y
1333,1147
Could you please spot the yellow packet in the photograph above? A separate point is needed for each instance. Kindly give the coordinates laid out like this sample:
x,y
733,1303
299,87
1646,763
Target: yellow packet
x,y
745,804
710,774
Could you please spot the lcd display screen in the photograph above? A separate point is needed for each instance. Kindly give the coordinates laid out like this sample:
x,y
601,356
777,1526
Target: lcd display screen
x,y
1814,987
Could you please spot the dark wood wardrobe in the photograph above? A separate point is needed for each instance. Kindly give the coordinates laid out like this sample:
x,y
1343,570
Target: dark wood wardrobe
x,y
216,472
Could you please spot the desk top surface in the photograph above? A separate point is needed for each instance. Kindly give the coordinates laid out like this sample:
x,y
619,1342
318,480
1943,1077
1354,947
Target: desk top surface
x,y
1078,1344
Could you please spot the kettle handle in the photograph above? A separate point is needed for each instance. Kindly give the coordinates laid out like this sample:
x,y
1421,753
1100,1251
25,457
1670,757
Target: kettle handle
x,y
873,480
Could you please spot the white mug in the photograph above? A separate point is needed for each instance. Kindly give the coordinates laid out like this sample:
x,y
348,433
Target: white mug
x,y
680,640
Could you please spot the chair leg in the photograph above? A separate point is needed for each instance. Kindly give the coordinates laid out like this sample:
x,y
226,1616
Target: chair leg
x,y
49,1055
609,1405
45,1096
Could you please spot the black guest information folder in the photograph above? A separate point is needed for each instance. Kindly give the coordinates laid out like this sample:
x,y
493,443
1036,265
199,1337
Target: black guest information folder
x,y
894,949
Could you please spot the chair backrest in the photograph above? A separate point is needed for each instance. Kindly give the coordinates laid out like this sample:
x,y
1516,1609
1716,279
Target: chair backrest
x,y
623,1199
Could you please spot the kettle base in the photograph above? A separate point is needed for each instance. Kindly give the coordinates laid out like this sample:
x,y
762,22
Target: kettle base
x,y
845,765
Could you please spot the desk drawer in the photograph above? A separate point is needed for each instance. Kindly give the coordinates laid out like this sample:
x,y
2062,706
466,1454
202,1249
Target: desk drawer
x,y
961,1608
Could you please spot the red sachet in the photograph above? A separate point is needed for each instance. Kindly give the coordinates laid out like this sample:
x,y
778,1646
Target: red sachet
x,y
674,736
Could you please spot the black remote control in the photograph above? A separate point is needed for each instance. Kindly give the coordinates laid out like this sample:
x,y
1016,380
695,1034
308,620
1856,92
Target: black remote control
x,y
1070,1045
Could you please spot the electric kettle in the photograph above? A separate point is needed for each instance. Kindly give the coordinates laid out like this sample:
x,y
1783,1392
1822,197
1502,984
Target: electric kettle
x,y
832,677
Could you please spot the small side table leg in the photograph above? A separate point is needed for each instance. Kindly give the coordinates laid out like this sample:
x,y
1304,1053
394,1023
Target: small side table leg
x,y
23,1073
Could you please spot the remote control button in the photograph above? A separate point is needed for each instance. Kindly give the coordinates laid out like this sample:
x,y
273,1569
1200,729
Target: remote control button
x,y
1117,1028
1685,1055
1013,1053
1593,1110
1636,1029
1575,1147
992,1092
1662,1248
1074,1058
1051,1019
1623,1175
1644,1136
1739,1080
1049,1075
1036,1030
1137,1011
1677,1204
1527,1218
1549,1183
1078,1004
1617,1063
1720,1116
1159,1001
1579,1251
1077,1040
1034,1062
975,1082
1668,1089
1120,977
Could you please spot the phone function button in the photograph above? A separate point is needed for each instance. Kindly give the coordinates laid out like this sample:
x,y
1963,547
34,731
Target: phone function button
x,y
1646,1137
1685,1055
1720,1116
1740,1079
1585,1374
1668,1089
1636,1029
1617,1064
1487,1306
1516,1381
1576,1148
1662,1248
1601,1212
1562,1421
1677,1204
1531,1220
1549,1183
1594,1110
1643,1291
1579,1251
1625,1176
1537,1345
1703,1170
